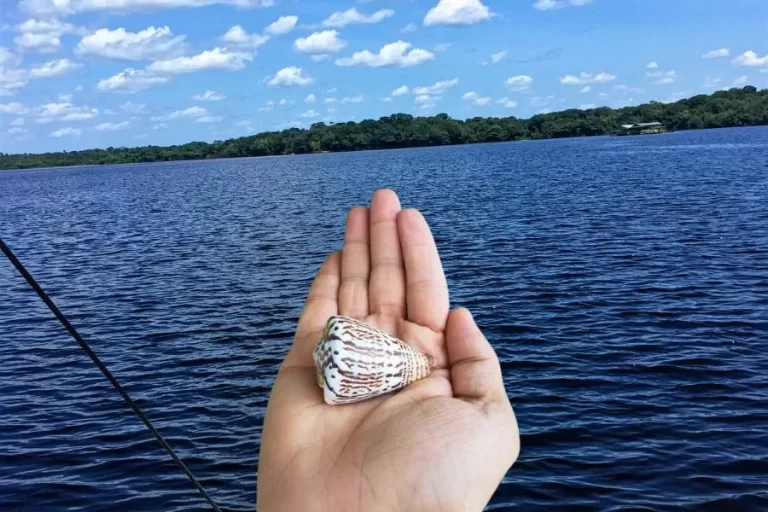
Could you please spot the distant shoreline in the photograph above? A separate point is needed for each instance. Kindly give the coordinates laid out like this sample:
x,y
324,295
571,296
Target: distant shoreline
x,y
722,109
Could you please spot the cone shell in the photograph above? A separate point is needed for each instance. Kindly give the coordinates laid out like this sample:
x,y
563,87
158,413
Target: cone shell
x,y
356,361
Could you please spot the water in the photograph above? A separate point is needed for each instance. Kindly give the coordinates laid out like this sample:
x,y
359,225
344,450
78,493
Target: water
x,y
623,282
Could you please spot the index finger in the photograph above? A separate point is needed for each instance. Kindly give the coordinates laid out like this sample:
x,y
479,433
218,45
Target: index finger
x,y
322,303
426,287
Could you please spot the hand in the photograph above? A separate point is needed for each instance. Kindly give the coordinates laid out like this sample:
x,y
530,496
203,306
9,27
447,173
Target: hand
x,y
442,444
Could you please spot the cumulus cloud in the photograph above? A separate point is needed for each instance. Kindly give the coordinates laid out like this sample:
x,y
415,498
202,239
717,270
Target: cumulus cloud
x,y
353,99
424,98
290,77
13,109
17,131
549,5
393,54
498,57
717,54
111,127
354,17
518,83
310,113
53,68
237,37
209,96
218,58
19,121
49,8
652,65
43,35
587,78
180,114
209,119
457,12
663,77
751,59
66,132
64,112
585,89
401,91
150,43
131,80
310,99
283,25
506,103
323,42
436,88
476,99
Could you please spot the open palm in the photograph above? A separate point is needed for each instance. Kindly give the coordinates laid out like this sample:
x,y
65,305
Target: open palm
x,y
443,443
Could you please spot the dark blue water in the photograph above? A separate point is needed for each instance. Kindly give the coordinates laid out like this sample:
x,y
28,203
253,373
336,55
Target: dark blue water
x,y
623,281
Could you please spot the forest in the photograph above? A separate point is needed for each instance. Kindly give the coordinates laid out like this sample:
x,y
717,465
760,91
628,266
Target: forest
x,y
745,106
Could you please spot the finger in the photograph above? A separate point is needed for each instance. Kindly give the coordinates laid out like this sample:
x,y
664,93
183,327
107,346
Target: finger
x,y
386,290
322,302
475,369
355,265
426,288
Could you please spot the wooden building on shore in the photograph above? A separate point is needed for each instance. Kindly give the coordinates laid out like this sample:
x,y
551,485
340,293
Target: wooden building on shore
x,y
641,128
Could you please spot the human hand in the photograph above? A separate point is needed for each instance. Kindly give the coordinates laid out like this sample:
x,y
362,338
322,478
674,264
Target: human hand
x,y
443,443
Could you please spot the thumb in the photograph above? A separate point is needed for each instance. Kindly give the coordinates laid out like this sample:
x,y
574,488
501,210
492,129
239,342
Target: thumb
x,y
475,369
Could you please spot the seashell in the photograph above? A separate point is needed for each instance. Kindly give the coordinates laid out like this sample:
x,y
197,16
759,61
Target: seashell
x,y
356,361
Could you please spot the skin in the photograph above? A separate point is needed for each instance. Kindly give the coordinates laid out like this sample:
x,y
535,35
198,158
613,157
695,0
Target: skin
x,y
441,444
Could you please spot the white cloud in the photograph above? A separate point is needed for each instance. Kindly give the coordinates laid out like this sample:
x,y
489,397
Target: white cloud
x,y
626,89
239,38
586,78
209,119
585,89
436,88
111,127
19,121
284,101
326,41
17,131
8,58
750,59
441,47
541,101
160,126
427,106
217,58
587,106
48,8
518,83
711,83
354,99
53,68
425,98
506,103
392,54
179,114
742,80
329,101
13,109
64,112
498,56
310,113
411,27
290,77
603,94
150,43
401,90
66,132
209,96
131,80
717,54
283,25
549,5
652,65
386,99
64,97
354,17
320,58
135,109
42,35
457,12
310,99
663,77
476,99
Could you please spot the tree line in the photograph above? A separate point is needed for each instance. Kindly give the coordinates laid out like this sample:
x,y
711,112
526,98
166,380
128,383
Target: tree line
x,y
735,107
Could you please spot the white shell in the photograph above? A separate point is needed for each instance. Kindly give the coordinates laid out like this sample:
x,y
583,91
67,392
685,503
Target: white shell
x,y
356,361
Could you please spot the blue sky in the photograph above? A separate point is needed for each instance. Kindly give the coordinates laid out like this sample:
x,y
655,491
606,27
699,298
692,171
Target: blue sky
x,y
77,74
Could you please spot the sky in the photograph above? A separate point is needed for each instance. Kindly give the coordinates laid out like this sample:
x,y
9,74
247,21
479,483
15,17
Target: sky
x,y
77,74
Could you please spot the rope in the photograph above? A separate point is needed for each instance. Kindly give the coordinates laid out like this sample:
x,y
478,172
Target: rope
x,y
48,302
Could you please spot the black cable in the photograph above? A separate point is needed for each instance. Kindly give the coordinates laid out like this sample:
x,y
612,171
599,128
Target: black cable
x,y
48,302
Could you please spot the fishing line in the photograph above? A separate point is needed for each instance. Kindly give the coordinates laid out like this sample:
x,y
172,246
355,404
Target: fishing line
x,y
48,302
